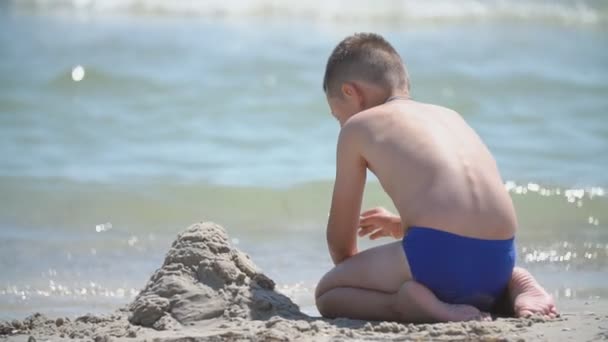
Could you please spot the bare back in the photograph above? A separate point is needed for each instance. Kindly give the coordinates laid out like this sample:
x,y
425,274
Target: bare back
x,y
436,169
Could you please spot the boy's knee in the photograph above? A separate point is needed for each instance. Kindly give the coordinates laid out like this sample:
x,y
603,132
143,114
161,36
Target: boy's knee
x,y
322,297
323,303
324,285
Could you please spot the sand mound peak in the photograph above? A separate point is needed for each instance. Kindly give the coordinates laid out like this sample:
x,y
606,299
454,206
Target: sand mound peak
x,y
203,277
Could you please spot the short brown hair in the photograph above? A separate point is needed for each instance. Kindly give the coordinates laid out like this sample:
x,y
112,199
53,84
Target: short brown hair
x,y
367,57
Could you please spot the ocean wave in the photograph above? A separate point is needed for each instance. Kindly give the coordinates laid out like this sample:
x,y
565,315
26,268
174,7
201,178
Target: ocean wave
x,y
152,205
410,11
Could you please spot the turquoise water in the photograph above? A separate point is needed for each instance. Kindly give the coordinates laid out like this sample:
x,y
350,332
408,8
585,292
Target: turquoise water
x,y
214,111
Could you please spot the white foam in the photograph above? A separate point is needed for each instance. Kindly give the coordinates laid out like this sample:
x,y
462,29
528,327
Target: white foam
x,y
571,12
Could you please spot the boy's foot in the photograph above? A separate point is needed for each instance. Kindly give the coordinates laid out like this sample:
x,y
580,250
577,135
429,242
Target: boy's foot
x,y
528,297
421,305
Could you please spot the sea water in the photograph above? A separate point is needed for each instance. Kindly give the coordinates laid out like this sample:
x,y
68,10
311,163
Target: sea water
x,y
122,122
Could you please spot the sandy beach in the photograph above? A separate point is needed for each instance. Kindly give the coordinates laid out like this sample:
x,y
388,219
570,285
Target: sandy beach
x,y
122,122
208,290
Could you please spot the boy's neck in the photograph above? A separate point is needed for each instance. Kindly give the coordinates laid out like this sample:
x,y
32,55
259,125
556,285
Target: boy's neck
x,y
397,97
384,97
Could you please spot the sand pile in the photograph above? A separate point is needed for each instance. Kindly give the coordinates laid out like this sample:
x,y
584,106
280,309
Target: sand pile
x,y
204,277
207,290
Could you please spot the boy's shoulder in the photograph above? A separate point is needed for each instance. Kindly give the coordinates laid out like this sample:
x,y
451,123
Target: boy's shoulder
x,y
359,126
364,119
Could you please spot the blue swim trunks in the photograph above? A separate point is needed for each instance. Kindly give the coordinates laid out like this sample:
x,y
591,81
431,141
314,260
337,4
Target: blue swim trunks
x,y
459,269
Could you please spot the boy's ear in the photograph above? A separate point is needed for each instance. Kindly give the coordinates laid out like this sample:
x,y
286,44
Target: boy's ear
x,y
348,90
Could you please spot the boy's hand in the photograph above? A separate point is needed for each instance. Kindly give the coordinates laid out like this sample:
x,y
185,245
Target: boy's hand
x,y
379,222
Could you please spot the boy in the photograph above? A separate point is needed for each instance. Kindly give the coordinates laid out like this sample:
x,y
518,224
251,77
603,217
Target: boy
x,y
456,221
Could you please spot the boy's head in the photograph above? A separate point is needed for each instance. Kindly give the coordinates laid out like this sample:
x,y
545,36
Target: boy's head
x,y
362,72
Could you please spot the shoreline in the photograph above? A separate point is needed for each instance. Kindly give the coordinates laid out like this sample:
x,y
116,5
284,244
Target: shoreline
x,y
207,290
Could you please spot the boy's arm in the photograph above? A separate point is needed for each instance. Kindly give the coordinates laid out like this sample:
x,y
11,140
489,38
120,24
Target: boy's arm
x,y
348,193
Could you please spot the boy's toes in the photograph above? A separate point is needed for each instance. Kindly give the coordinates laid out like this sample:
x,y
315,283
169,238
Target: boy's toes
x,y
525,314
529,298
